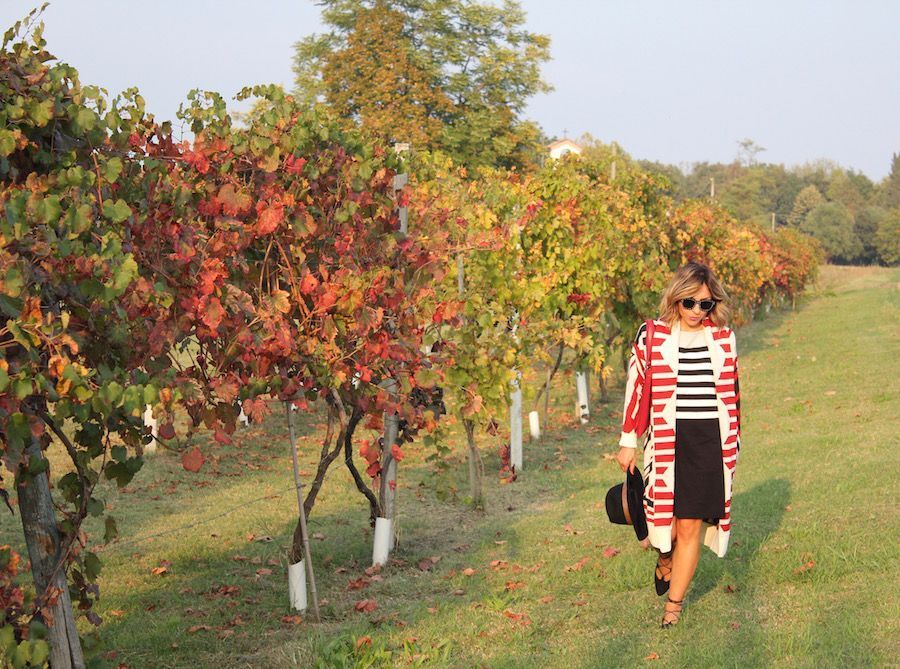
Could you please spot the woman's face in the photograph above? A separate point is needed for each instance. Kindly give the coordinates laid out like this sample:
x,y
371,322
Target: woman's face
x,y
691,319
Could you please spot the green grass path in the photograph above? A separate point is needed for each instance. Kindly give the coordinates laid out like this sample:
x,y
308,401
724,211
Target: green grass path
x,y
810,579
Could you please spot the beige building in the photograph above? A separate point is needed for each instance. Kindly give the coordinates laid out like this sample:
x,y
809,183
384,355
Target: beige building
x,y
563,146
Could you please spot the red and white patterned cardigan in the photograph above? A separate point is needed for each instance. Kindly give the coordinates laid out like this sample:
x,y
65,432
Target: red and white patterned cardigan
x,y
659,449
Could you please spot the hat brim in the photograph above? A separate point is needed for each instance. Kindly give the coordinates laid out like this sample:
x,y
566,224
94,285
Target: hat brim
x,y
635,496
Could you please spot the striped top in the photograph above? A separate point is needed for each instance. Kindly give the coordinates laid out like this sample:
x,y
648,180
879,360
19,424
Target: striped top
x,y
696,394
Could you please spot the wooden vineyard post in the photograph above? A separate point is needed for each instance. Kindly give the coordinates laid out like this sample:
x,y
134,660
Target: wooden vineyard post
x,y
296,583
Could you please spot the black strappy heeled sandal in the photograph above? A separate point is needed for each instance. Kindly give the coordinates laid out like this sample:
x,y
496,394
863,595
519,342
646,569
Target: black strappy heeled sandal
x,y
677,613
659,575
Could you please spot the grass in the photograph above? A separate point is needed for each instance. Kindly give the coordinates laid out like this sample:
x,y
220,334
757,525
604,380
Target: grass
x,y
809,580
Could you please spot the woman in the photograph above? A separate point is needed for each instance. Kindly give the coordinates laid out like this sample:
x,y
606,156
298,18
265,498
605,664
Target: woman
x,y
694,435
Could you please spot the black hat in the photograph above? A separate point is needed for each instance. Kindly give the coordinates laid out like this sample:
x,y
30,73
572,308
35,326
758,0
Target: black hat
x,y
625,503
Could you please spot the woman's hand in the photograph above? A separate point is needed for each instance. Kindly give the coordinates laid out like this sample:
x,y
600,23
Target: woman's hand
x,y
625,458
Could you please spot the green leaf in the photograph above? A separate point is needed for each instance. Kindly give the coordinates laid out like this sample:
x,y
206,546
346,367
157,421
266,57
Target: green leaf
x,y
92,566
7,142
126,273
111,529
85,120
117,211
118,453
13,282
112,169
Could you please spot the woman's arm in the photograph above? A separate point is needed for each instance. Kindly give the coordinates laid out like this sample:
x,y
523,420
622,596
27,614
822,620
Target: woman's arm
x,y
634,386
737,389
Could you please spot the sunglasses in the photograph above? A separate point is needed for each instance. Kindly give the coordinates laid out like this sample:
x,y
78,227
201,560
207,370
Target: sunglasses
x,y
705,305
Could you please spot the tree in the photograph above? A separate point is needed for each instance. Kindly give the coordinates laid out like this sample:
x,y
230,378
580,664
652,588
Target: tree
x,y
381,83
832,224
866,226
474,55
748,150
887,239
889,189
807,199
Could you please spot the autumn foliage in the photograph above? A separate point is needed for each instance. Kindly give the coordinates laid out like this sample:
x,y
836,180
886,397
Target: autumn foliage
x,y
265,263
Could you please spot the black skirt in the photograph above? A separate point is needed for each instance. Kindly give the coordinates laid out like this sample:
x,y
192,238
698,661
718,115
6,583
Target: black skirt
x,y
699,478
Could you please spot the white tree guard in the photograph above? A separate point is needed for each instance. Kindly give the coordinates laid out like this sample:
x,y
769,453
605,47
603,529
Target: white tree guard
x,y
384,540
583,411
515,426
534,423
150,421
297,585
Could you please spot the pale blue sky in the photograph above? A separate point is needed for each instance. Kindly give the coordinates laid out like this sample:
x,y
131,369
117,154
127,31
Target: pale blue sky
x,y
675,81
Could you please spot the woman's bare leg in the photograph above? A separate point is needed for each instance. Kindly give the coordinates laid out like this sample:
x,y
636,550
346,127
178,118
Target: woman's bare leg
x,y
685,557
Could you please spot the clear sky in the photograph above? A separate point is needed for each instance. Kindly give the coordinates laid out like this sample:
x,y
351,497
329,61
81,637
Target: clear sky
x,y
676,81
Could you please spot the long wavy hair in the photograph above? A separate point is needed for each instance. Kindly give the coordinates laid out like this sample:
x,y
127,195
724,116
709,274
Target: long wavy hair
x,y
686,282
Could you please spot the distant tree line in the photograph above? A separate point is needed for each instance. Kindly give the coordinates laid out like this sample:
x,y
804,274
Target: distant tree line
x,y
454,77
856,220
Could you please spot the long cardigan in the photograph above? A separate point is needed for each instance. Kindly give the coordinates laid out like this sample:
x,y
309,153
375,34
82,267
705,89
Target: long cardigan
x,y
659,449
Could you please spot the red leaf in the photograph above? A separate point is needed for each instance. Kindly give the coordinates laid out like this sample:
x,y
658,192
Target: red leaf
x,y
269,219
308,284
610,552
213,314
396,452
192,460
167,431
222,437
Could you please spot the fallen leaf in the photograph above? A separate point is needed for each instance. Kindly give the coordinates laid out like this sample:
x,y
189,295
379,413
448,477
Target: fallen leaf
x,y
804,568
319,536
363,641
264,539
264,571
500,542
374,569
611,552
578,566
499,565
652,656
735,626
579,602
730,588
468,571
427,563
459,592
514,585
193,629
116,613
521,618
159,571
358,584
239,558
366,605
830,393
292,620
547,599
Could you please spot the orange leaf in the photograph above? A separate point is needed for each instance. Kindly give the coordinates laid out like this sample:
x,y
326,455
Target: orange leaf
x,y
611,552
578,566
363,641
